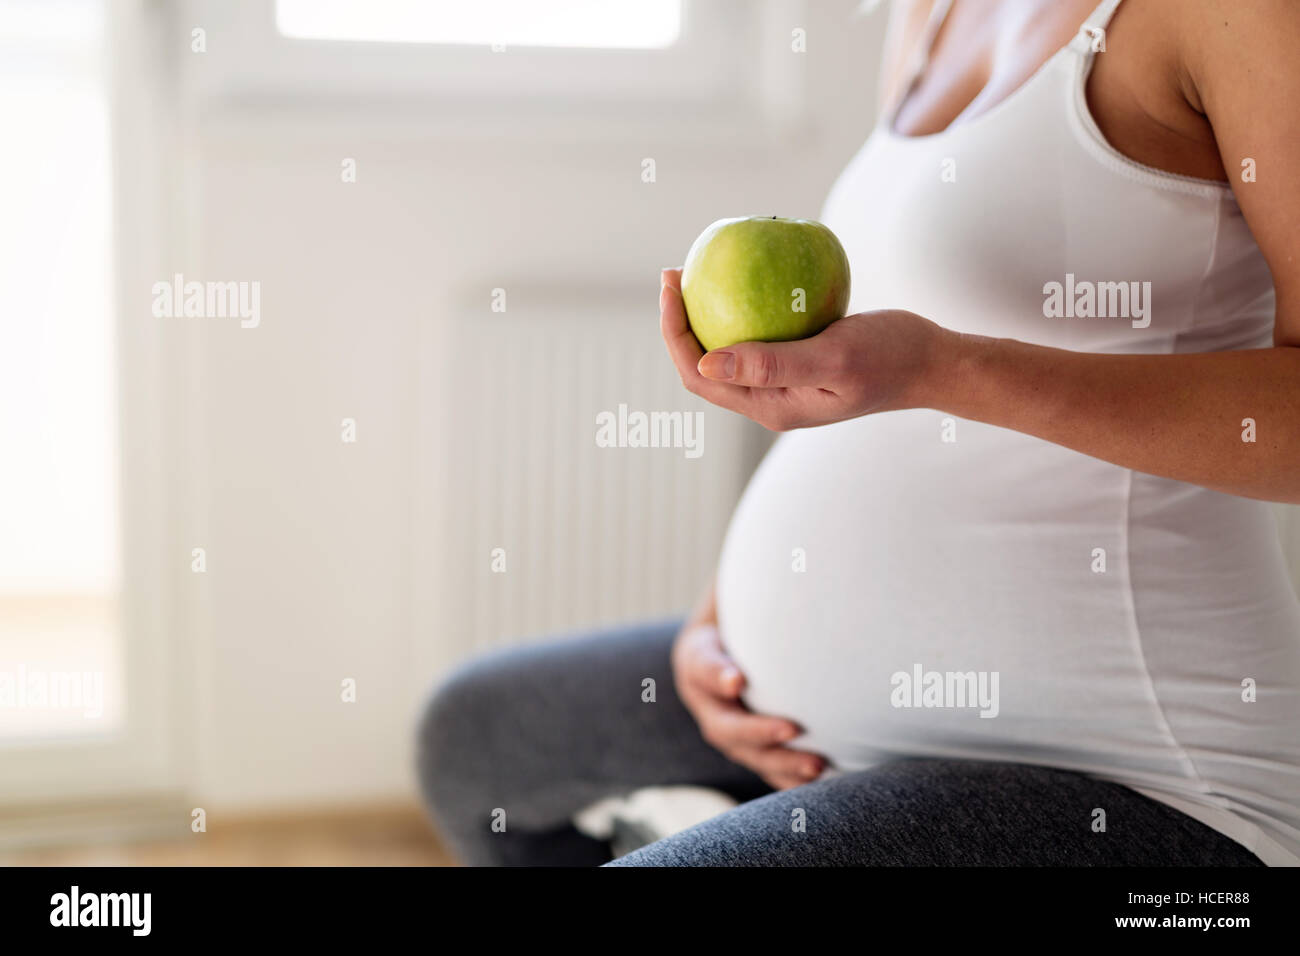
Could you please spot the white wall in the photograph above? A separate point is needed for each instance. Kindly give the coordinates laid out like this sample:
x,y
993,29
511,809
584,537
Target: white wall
x,y
309,540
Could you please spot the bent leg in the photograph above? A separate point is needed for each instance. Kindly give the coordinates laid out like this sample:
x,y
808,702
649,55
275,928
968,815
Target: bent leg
x,y
542,731
948,813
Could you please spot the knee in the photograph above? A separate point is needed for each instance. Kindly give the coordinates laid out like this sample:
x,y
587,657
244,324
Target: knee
x,y
450,732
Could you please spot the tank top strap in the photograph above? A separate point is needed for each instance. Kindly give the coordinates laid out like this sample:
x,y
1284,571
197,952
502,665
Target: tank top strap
x,y
920,58
1091,37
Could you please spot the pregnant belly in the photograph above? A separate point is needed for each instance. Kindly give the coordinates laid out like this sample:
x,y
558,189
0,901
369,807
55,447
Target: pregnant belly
x,y
866,554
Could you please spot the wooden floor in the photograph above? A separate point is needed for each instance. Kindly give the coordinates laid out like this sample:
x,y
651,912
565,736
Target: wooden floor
x,y
382,837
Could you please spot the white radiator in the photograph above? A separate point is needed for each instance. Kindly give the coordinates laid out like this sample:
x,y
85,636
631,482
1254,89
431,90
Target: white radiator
x,y
508,459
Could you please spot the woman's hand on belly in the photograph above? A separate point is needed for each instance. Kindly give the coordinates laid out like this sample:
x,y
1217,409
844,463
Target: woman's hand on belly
x,y
870,362
710,685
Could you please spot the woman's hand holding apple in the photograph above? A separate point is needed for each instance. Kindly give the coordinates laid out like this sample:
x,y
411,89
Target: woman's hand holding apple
x,y
869,362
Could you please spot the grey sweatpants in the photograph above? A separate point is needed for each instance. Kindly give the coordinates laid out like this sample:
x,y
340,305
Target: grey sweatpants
x,y
529,736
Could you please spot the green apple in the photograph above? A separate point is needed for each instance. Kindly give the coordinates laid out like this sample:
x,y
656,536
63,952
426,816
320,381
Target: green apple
x,y
765,280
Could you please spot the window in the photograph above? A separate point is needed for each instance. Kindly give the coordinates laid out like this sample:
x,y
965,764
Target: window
x,y
456,69
627,24
60,655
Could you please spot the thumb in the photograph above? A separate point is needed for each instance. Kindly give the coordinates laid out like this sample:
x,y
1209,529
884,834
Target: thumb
x,y
767,364
714,668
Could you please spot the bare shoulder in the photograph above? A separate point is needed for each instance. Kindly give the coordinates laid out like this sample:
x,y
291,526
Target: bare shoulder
x,y
1178,74
1243,75
1226,47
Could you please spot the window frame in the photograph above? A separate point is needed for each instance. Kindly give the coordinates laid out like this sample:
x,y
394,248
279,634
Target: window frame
x,y
497,35
142,758
748,82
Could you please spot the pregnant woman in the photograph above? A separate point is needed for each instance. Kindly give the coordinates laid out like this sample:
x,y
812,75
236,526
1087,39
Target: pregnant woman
x,y
1009,591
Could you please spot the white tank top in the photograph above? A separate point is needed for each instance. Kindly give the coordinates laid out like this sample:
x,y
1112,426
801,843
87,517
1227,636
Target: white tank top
x,y
1142,630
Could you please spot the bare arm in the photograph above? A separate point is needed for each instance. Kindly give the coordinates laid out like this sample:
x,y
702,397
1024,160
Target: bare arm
x,y
1177,416
1184,416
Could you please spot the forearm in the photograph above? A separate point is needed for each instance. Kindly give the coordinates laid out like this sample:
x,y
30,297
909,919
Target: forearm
x,y
1177,416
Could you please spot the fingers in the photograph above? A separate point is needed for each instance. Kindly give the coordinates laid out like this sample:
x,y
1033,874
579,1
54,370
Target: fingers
x,y
730,726
672,312
757,742
781,767
707,667
685,350
773,364
710,685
